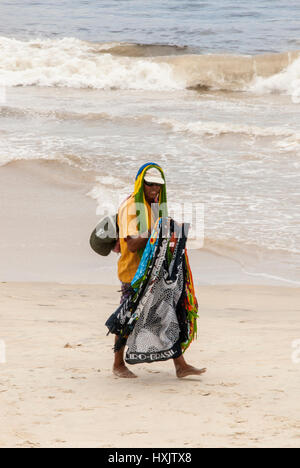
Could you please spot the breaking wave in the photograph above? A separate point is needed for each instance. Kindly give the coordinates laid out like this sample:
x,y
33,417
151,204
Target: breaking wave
x,y
74,63
285,82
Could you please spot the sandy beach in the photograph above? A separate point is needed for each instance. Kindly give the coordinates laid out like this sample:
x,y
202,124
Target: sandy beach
x,y
57,389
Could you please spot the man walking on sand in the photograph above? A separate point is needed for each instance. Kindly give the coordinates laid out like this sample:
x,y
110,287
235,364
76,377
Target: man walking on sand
x,y
134,231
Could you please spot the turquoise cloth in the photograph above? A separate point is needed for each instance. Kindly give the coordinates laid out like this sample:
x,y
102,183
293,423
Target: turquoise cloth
x,y
147,256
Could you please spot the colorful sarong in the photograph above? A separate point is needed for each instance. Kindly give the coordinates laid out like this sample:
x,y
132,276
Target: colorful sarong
x,y
126,291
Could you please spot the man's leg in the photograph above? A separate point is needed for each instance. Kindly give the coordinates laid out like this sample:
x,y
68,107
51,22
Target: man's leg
x,y
184,370
119,367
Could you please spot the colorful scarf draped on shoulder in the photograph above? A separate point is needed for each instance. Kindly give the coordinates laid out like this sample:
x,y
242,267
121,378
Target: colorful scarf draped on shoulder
x,y
159,319
140,200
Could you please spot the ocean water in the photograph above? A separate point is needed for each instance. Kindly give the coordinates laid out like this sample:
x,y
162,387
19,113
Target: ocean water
x,y
207,26
208,89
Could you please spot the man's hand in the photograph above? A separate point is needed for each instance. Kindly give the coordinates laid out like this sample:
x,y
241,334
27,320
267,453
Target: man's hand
x,y
136,243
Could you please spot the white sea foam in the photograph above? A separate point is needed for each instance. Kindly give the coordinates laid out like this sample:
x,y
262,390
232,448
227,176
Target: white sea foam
x,y
285,82
203,128
290,144
107,197
72,63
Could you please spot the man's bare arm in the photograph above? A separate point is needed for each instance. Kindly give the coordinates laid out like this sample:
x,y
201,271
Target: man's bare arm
x,y
136,243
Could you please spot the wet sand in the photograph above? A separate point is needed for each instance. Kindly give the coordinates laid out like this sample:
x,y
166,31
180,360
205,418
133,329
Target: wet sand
x,y
57,388
47,219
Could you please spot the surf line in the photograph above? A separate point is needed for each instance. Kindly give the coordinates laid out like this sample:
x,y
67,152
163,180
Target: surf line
x,y
277,278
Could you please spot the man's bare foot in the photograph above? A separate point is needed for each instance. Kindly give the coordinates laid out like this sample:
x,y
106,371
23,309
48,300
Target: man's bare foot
x,y
123,372
185,371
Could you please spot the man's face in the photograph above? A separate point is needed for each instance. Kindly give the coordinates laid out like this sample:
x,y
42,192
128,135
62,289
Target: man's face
x,y
152,192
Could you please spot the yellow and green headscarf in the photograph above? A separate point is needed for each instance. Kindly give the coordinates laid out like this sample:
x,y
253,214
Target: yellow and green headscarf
x,y
139,197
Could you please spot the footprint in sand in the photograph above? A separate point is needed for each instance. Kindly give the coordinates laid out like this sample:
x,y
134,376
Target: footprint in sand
x,y
227,384
69,346
231,404
222,384
239,434
28,443
133,433
25,442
